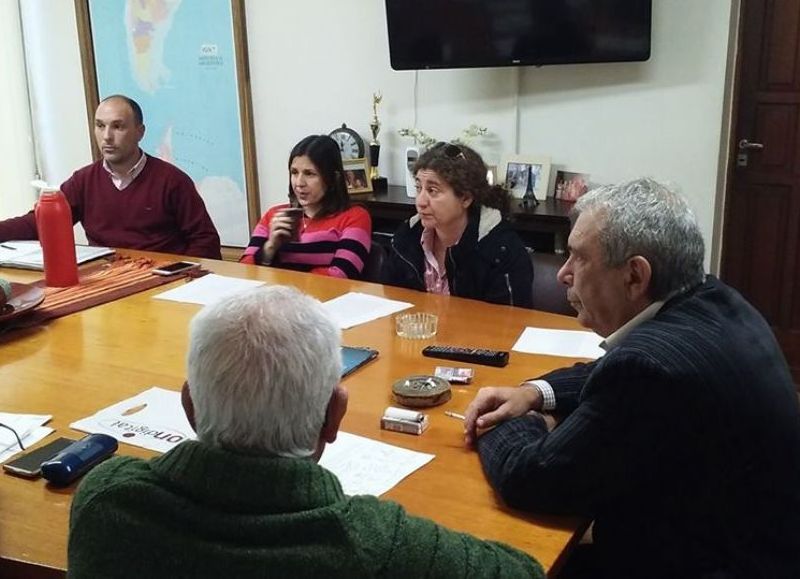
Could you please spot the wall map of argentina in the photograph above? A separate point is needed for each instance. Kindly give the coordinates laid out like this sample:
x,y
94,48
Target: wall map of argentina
x,y
176,58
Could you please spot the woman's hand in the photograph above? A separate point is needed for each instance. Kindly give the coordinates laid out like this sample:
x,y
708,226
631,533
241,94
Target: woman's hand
x,y
280,230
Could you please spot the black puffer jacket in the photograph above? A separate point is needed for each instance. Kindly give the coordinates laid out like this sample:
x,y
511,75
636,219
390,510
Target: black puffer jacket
x,y
489,263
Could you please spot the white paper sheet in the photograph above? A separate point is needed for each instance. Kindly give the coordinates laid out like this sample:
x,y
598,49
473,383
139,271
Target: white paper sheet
x,y
352,309
24,425
369,467
33,437
208,289
570,343
153,419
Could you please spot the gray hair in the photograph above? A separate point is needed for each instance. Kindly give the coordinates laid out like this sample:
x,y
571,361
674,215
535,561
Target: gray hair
x,y
644,217
262,367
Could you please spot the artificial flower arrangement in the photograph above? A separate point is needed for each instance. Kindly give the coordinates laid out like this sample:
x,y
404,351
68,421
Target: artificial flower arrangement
x,y
424,140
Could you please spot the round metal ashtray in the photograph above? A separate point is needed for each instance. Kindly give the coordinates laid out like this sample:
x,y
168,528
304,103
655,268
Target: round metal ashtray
x,y
421,391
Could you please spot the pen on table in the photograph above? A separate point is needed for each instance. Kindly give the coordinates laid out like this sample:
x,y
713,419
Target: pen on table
x,y
4,246
455,415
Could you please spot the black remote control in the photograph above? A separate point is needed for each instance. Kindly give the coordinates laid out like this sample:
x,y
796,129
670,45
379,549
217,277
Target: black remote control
x,y
471,355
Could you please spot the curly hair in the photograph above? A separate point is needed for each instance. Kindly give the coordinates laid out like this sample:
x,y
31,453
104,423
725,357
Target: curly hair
x,y
464,170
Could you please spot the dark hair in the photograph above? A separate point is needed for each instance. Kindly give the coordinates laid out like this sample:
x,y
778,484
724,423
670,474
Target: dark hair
x,y
324,153
137,110
464,170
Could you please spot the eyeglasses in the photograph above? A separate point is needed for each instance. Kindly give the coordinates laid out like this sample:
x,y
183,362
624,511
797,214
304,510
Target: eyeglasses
x,y
450,150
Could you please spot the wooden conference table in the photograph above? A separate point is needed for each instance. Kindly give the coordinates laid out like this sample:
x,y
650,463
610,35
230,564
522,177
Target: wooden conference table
x,y
78,364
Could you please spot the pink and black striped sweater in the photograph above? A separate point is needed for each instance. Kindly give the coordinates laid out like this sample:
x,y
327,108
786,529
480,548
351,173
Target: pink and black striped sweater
x,y
335,245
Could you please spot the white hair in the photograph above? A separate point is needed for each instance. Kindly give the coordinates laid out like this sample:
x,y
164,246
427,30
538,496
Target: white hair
x,y
262,367
644,217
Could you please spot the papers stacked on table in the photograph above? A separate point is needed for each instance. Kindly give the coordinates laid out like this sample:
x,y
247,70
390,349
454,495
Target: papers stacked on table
x,y
28,254
29,428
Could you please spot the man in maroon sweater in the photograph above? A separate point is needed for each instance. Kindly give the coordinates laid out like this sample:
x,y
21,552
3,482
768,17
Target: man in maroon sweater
x,y
130,199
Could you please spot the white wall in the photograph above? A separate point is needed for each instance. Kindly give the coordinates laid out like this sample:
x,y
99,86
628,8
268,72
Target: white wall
x,y
315,64
57,93
16,145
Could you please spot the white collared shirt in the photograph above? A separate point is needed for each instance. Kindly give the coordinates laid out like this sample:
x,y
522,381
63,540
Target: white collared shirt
x,y
122,181
619,334
614,339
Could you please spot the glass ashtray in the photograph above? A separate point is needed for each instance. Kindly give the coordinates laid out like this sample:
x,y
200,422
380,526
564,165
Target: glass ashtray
x,y
419,326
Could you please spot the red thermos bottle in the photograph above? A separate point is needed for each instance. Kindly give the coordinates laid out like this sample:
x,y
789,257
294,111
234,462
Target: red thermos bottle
x,y
54,223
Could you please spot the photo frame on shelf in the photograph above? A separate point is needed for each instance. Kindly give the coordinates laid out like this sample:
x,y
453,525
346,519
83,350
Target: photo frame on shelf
x,y
523,174
570,185
356,175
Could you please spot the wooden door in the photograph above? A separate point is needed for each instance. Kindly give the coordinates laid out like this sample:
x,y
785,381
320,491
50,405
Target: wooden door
x,y
761,236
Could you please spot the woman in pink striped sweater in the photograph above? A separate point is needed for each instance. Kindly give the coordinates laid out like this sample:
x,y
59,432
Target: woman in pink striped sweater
x,y
332,236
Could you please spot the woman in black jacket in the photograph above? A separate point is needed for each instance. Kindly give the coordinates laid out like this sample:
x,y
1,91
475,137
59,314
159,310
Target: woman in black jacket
x,y
458,242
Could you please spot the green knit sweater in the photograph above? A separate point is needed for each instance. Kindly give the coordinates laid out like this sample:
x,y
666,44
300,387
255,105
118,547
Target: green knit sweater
x,y
199,511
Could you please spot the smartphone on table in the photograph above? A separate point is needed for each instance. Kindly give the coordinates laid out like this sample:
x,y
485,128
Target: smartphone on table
x,y
29,465
353,358
175,267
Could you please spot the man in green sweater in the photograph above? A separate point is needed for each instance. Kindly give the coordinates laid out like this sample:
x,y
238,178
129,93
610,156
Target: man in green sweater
x,y
248,499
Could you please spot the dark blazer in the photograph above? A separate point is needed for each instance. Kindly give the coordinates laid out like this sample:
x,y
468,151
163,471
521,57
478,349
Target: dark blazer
x,y
682,442
489,262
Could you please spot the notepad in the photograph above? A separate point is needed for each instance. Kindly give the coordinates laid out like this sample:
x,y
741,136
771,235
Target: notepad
x,y
28,254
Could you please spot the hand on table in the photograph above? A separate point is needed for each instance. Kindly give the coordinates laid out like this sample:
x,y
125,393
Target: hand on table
x,y
495,404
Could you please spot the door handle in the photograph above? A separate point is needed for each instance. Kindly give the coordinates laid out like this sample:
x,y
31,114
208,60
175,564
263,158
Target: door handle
x,y
745,145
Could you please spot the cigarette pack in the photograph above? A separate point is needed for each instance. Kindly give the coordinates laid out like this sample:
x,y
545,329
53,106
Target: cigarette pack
x,y
455,375
407,426
402,420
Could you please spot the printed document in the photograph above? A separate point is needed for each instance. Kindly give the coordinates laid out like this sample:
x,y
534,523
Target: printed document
x,y
153,419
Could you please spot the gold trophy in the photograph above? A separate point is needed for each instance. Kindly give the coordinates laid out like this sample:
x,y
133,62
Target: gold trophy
x,y
378,182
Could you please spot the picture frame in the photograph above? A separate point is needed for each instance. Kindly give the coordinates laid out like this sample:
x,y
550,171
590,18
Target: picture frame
x,y
569,185
356,175
523,174
186,125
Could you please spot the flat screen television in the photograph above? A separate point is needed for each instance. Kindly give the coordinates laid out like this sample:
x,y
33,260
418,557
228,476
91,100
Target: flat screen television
x,y
427,34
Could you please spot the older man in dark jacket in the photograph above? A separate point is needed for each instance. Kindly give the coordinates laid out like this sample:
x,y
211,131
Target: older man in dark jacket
x,y
683,441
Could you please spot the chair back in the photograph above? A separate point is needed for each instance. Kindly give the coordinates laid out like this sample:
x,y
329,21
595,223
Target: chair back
x,y
372,269
549,295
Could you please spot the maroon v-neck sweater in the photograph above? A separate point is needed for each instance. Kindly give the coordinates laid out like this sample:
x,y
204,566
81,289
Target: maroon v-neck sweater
x,y
160,210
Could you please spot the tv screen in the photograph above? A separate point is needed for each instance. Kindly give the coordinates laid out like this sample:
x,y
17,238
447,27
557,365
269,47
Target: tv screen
x,y
477,33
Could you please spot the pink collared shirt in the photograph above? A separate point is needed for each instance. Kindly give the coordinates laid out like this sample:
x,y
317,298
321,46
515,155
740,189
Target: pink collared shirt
x,y
122,181
435,278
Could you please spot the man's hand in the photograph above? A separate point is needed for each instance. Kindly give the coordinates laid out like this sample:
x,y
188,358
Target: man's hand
x,y
494,405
